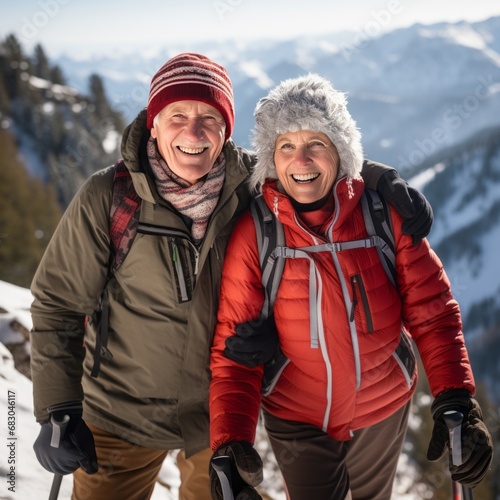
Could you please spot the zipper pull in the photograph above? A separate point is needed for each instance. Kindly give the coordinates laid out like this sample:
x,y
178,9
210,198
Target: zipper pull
x,y
174,252
196,260
354,298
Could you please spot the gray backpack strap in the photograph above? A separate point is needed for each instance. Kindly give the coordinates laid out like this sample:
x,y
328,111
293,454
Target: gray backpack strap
x,y
378,224
270,235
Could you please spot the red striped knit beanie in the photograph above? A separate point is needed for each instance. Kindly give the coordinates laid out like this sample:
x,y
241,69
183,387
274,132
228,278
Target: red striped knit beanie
x,y
195,77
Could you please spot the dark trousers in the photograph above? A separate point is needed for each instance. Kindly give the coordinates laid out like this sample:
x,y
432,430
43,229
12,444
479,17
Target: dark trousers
x,y
316,466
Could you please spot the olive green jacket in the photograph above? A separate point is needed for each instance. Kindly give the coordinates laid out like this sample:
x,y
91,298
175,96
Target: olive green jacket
x,y
162,308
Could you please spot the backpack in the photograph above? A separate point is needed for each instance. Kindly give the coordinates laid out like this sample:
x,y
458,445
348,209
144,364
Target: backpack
x,y
123,216
273,252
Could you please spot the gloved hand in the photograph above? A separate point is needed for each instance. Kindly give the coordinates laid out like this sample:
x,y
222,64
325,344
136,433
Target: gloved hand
x,y
476,442
409,202
243,470
63,449
254,344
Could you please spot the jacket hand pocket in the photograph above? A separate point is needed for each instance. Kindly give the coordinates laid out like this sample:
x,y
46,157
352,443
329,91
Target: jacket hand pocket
x,y
405,358
272,371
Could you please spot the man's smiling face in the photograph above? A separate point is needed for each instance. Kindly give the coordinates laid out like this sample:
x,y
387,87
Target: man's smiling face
x,y
190,137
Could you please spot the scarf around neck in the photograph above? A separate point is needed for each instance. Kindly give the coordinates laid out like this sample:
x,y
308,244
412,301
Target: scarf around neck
x,y
195,201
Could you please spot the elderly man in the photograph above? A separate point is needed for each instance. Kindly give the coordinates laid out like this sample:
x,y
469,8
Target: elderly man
x,y
124,354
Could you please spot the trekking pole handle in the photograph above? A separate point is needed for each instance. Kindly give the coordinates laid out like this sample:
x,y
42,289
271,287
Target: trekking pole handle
x,y
222,465
453,420
58,431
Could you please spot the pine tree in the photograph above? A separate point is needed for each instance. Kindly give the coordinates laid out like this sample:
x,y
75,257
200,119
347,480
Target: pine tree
x,y
103,109
98,96
11,65
57,76
4,98
41,64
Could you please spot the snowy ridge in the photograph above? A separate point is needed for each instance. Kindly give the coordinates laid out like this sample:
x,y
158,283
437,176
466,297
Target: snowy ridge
x,y
463,186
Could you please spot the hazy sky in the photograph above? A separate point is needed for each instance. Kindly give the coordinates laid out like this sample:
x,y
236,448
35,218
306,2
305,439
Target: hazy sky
x,y
93,26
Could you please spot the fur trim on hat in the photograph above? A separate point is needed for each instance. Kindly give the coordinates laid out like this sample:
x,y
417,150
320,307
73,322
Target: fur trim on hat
x,y
305,103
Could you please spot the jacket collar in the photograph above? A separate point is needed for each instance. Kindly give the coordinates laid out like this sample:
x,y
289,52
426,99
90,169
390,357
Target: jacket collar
x,y
347,194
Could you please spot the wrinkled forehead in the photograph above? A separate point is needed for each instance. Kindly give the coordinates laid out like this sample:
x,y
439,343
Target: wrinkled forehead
x,y
191,108
301,136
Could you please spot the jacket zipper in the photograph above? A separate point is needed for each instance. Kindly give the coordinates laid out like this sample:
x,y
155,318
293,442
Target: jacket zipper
x,y
347,299
178,270
357,284
318,338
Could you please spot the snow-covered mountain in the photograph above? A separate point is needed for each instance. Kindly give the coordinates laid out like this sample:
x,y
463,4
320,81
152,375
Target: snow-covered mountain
x,y
463,186
412,91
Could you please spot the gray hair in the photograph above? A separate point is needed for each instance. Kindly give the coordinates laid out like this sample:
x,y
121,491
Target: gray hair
x,y
305,103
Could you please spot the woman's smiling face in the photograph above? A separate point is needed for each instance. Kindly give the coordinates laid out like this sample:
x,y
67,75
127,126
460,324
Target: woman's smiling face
x,y
307,164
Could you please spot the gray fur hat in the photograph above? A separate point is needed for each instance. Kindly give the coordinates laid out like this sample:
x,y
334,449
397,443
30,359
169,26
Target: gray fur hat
x,y
305,103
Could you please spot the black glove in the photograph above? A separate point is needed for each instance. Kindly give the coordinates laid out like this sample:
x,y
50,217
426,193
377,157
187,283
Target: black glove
x,y
409,202
242,467
255,343
62,447
476,442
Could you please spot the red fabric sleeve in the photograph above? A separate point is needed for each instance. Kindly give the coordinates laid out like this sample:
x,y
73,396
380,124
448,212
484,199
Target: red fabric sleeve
x,y
235,389
431,314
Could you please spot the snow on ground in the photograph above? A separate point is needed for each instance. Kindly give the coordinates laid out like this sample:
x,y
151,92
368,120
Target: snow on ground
x,y
31,480
28,479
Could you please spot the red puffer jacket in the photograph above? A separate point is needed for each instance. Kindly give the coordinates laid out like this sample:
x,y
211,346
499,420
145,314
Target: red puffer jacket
x,y
341,323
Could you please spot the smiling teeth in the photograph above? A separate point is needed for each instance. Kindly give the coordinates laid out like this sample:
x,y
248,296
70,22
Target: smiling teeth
x,y
194,151
305,177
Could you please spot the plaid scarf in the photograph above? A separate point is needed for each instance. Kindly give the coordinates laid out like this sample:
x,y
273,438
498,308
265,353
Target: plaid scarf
x,y
196,201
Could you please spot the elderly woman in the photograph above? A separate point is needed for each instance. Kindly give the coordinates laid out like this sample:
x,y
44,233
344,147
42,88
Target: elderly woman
x,y
338,413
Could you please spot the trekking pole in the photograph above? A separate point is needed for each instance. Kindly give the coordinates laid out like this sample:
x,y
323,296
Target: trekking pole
x,y
58,430
453,420
222,465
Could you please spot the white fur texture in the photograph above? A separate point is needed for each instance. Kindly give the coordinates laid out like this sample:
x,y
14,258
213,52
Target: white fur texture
x,y
305,103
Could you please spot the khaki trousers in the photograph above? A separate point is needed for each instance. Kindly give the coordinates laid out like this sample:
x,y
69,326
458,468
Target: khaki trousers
x,y
316,466
129,472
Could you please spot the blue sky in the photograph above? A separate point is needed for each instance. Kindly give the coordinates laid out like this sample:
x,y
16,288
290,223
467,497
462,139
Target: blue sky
x,y
94,26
